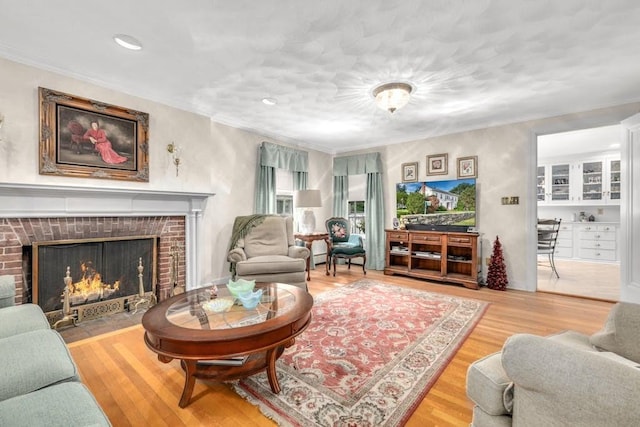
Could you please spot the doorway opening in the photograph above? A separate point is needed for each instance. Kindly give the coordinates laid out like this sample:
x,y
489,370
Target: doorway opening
x,y
578,182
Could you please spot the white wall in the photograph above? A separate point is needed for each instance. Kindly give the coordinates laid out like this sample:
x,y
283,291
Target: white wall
x,y
506,167
566,213
216,158
221,159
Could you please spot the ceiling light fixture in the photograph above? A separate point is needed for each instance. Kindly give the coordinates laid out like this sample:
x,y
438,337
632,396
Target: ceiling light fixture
x,y
392,96
127,42
269,101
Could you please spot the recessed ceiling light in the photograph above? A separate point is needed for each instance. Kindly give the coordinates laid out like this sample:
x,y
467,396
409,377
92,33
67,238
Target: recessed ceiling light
x,y
127,42
269,101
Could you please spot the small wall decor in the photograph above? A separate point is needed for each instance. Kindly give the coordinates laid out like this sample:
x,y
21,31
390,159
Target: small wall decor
x,y
175,151
437,164
468,167
89,139
410,172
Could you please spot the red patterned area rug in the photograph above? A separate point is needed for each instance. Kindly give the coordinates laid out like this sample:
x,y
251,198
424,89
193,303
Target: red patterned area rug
x,y
368,358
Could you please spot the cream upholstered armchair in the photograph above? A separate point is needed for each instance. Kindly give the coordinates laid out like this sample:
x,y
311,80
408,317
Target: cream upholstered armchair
x,y
263,249
567,379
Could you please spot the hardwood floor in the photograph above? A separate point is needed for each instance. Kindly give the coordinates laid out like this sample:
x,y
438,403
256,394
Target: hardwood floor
x,y
135,389
596,280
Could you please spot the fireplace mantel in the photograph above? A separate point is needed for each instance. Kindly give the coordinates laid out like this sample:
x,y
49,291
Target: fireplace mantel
x,y
49,201
28,201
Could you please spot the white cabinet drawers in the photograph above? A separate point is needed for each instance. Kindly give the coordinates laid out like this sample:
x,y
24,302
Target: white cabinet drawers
x,y
597,254
589,241
597,242
564,245
563,252
592,228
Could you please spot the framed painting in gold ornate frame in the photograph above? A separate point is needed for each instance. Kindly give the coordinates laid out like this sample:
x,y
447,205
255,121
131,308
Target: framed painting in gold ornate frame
x,y
84,138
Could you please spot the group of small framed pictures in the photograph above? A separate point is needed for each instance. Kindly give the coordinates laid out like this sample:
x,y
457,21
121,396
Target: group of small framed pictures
x,y
438,164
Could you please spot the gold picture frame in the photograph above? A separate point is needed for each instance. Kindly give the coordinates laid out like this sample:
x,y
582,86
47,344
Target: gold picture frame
x,y
438,164
84,138
410,172
468,167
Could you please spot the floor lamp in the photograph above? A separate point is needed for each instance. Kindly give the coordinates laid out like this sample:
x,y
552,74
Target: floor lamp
x,y
308,199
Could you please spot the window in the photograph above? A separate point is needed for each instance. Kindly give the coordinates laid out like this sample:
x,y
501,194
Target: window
x,y
357,193
284,204
284,192
356,217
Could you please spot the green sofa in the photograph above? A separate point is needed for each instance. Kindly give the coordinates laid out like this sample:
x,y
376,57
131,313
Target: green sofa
x,y
568,379
40,382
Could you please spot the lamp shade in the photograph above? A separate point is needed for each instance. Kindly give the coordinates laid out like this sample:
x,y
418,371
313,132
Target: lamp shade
x,y
308,199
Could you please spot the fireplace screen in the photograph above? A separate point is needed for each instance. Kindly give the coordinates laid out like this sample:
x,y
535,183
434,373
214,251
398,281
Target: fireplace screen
x,y
99,270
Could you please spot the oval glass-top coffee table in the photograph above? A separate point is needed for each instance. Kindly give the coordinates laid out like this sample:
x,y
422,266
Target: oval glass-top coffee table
x,y
218,341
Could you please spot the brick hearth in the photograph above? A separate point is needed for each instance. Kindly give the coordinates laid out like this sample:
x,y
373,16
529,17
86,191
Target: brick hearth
x,y
30,213
19,232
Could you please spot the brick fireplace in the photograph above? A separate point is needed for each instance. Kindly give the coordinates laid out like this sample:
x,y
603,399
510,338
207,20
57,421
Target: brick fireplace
x,y
31,214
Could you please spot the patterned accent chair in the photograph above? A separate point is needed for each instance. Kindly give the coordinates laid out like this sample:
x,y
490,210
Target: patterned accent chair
x,y
342,244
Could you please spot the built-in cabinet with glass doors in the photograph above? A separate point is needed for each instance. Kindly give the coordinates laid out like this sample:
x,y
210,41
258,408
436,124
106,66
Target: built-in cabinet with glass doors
x,y
594,181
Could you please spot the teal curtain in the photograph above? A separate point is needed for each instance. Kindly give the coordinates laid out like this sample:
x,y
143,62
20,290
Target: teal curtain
x,y
265,198
300,180
340,196
357,165
374,220
281,157
272,157
370,164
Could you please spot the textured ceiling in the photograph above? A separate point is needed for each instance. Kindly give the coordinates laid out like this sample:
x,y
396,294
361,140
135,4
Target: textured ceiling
x,y
473,63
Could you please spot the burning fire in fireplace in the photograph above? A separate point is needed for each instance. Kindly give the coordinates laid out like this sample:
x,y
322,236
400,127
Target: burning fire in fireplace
x,y
96,270
90,287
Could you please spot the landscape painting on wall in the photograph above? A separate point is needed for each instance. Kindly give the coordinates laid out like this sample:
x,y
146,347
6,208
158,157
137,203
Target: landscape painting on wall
x,y
437,205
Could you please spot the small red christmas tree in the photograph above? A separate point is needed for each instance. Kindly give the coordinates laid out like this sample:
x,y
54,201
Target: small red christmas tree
x,y
497,274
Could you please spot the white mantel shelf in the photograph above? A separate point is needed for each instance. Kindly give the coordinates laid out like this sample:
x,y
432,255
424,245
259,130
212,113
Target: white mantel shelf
x,y
49,201
29,201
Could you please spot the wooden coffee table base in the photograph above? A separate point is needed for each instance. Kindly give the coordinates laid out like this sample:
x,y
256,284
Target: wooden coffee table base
x,y
202,370
198,338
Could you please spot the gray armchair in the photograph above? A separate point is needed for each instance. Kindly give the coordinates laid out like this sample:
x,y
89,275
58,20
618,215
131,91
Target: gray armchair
x,y
263,249
569,379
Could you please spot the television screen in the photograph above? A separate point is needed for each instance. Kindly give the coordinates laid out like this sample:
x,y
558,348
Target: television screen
x,y
437,205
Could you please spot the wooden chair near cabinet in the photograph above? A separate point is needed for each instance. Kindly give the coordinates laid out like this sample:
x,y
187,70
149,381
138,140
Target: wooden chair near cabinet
x,y
548,230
